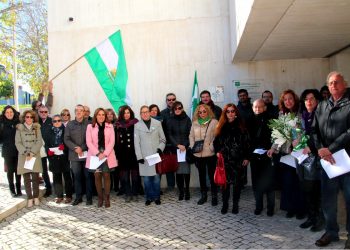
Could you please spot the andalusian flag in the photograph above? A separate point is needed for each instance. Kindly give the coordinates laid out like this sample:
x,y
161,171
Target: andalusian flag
x,y
107,61
195,94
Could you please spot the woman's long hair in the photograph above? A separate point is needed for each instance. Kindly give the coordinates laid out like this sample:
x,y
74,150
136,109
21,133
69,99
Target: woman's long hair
x,y
223,119
122,112
15,113
94,119
281,105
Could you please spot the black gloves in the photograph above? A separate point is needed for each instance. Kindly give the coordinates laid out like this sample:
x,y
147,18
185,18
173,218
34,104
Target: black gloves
x,y
142,161
159,151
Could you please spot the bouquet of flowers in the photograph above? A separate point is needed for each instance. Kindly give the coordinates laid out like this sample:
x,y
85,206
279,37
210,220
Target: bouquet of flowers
x,y
284,129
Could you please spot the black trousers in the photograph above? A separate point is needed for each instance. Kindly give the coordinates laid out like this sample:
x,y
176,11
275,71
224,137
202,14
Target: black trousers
x,y
202,164
11,163
183,180
46,176
263,177
312,194
130,187
58,185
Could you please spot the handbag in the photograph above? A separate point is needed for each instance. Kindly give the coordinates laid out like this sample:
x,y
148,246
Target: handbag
x,y
220,174
198,145
168,164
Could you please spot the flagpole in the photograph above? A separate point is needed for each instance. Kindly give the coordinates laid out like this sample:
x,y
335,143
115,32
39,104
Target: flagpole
x,y
63,70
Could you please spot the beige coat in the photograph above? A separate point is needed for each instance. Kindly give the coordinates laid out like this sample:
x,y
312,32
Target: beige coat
x,y
198,132
28,141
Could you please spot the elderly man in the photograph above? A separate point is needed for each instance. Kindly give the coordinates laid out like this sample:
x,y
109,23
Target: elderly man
x,y
331,133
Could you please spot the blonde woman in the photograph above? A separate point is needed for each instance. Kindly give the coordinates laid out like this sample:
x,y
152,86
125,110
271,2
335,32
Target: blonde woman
x,y
203,129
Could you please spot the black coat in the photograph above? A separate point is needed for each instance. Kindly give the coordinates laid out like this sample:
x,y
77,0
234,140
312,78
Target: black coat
x,y
260,133
124,146
7,135
178,130
331,125
57,163
46,128
234,145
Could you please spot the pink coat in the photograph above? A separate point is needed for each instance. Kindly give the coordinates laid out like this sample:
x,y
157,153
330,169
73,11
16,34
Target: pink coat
x,y
92,143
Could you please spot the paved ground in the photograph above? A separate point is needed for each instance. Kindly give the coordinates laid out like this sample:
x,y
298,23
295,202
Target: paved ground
x,y
173,224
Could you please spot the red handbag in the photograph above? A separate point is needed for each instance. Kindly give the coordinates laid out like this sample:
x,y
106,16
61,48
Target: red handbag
x,y
168,164
220,174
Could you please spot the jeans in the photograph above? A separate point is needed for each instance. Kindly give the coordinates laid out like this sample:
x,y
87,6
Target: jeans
x,y
152,187
46,173
202,163
31,185
58,185
80,172
330,189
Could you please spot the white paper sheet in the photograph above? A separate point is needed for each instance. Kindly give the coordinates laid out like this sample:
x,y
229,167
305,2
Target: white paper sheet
x,y
83,156
153,159
181,156
288,160
342,164
56,151
299,155
95,162
29,164
259,151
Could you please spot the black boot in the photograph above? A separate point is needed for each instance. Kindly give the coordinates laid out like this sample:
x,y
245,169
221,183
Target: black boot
x,y
214,199
203,198
224,208
18,189
12,190
235,209
181,195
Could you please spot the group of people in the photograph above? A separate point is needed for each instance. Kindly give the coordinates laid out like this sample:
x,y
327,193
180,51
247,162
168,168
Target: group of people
x,y
122,143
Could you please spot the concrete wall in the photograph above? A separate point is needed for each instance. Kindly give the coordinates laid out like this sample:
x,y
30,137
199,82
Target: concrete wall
x,y
340,62
165,41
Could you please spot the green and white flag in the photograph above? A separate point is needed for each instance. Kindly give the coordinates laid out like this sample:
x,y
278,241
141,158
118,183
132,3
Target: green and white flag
x,y
195,95
107,61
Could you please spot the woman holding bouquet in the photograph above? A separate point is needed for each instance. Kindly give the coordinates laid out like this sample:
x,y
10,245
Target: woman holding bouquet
x,y
309,170
291,195
232,141
58,163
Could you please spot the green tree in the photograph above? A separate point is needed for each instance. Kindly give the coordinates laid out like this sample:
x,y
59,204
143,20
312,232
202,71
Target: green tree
x,y
6,87
30,20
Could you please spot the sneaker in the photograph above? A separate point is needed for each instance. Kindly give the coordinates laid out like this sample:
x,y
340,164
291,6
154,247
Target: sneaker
x,y
30,203
36,201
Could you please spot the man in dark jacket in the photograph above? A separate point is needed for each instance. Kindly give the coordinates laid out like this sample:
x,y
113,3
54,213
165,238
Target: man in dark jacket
x,y
206,99
166,113
331,133
271,109
46,126
75,140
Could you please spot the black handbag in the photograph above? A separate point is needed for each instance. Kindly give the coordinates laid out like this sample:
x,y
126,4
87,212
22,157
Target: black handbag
x,y
198,145
190,158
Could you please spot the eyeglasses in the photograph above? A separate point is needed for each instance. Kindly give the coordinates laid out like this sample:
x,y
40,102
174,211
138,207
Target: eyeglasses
x,y
144,112
65,114
171,100
54,121
232,111
178,108
29,116
44,112
202,112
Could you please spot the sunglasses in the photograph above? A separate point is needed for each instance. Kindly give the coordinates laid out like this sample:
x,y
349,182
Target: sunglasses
x,y
232,111
202,112
29,117
178,108
65,114
44,112
171,100
54,121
